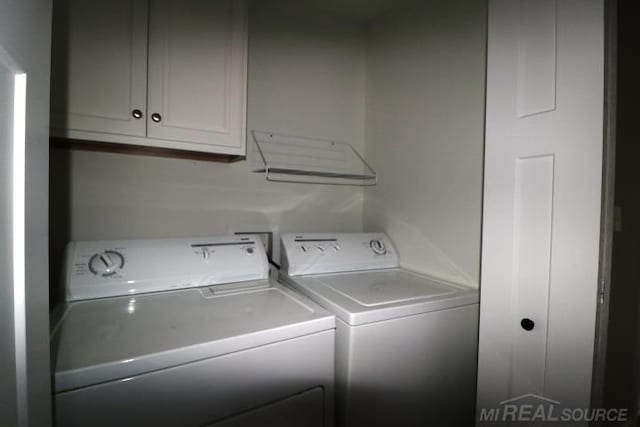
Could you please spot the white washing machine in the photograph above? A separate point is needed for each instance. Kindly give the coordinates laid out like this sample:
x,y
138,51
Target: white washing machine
x,y
406,344
188,332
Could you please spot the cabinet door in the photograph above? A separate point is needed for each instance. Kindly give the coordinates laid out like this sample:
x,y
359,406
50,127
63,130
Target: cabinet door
x,y
197,73
99,66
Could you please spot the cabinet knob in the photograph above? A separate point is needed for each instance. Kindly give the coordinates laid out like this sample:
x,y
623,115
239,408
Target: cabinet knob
x,y
156,117
527,324
137,114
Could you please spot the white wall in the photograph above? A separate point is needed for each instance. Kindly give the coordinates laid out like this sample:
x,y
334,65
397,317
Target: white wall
x,y
306,77
425,127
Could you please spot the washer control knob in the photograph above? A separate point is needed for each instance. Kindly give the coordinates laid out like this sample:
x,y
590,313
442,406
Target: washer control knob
x,y
106,263
378,247
250,251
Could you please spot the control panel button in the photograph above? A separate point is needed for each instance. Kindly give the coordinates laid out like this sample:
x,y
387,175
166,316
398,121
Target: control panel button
x,y
378,246
250,251
106,263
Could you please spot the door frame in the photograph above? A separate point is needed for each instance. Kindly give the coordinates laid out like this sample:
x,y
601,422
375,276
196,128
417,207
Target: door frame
x,y
607,215
25,36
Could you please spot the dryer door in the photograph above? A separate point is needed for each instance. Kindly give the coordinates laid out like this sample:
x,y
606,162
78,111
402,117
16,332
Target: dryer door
x,y
233,388
303,409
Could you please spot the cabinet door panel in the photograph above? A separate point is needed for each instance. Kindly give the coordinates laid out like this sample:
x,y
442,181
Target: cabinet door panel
x,y
197,72
99,66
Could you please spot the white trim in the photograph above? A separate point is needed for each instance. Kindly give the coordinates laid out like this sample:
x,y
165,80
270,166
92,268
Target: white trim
x,y
148,142
18,230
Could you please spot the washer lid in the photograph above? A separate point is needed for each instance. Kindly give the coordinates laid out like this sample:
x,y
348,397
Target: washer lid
x,y
370,296
385,287
115,338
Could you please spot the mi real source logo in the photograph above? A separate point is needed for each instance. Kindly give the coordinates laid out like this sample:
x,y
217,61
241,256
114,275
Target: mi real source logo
x,y
533,408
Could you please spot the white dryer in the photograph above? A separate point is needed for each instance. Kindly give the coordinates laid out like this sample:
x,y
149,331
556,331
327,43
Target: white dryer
x,y
406,344
187,332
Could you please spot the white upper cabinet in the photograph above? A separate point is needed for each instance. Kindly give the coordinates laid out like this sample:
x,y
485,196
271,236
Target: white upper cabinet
x,y
197,71
99,66
192,95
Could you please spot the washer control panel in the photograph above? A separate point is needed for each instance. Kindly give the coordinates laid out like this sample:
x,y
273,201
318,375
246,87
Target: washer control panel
x,y
316,253
126,267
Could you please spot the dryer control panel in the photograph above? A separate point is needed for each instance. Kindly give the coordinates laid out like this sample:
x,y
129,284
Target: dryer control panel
x,y
127,267
318,253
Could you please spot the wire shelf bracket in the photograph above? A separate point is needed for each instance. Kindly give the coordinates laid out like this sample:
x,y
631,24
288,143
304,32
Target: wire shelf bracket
x,y
296,159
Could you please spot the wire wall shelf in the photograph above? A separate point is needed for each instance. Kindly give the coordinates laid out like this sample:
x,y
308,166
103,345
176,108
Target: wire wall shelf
x,y
286,158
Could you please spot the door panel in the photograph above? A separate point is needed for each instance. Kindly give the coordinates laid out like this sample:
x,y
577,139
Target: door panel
x,y
532,253
197,72
537,58
541,219
99,66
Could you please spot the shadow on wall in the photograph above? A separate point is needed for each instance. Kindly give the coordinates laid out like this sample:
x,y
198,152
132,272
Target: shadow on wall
x,y
417,251
59,160
59,218
121,196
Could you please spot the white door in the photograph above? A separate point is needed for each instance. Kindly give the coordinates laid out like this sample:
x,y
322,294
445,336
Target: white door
x,y
197,73
542,196
24,147
99,69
